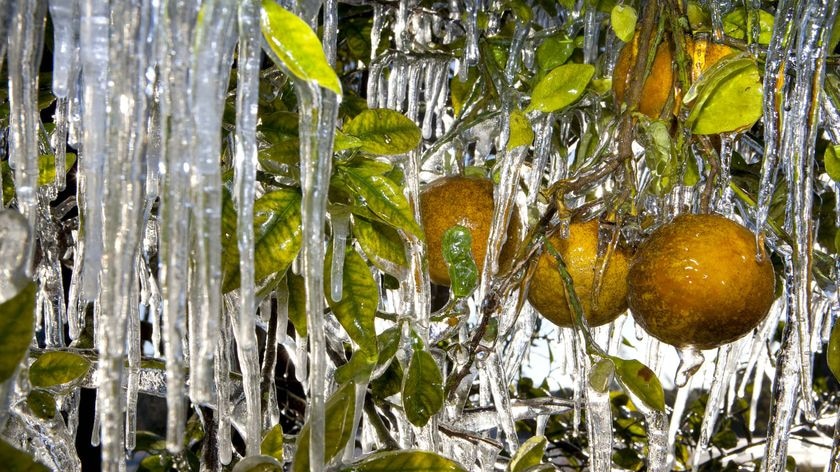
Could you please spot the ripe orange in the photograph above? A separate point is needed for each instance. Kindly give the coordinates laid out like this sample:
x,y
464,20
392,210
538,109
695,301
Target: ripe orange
x,y
696,282
465,201
580,253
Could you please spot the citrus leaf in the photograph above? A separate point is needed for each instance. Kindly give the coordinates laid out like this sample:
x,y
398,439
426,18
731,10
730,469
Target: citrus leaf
x,y
457,253
56,368
384,132
230,246
339,427
737,23
639,380
358,369
280,125
278,240
521,133
529,454
295,44
389,342
272,443
832,354
561,87
258,464
623,21
726,98
659,158
46,167
422,390
17,321
405,461
19,461
42,403
281,157
382,245
831,158
390,382
357,308
297,302
344,142
381,196
601,375
554,51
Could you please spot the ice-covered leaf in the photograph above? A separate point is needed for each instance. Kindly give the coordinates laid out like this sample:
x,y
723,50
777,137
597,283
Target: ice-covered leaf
x,y
382,245
19,461
55,368
726,98
561,87
339,427
659,158
389,342
261,463
381,196
422,390
297,302
272,443
457,253
832,161
345,141
278,240
17,320
384,132
623,21
554,51
390,382
42,403
738,22
832,354
281,157
46,173
601,375
530,453
357,369
521,133
295,44
404,461
357,308
639,380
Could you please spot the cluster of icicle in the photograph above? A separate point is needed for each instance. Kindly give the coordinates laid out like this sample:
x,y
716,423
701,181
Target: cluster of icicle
x,y
140,88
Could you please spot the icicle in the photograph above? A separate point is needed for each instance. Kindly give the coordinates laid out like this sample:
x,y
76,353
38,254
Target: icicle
x,y
318,112
676,415
375,35
221,373
591,30
25,37
330,30
136,312
470,58
499,387
341,229
517,348
598,424
65,19
658,443
542,148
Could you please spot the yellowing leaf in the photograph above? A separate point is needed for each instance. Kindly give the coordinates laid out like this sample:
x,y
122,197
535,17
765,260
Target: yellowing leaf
x,y
272,443
17,319
529,454
422,390
521,133
339,428
55,368
384,132
357,308
405,461
639,380
832,354
296,46
727,98
623,20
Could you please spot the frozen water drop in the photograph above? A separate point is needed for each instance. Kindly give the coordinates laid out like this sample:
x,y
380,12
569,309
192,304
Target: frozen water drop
x,y
691,359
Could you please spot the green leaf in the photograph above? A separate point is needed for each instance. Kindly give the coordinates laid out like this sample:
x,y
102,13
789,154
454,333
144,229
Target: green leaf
x,y
521,133
156,463
261,463
561,87
529,454
357,308
601,375
279,239
738,23
384,132
832,354
339,427
554,51
17,326
46,173
296,46
18,461
42,403
357,369
639,380
272,443
405,461
422,390
382,197
389,343
457,253
390,382
623,20
280,125
56,368
297,302
281,157
727,98
831,158
659,156
382,245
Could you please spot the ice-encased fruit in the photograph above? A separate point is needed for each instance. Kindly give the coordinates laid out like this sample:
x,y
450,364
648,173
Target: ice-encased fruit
x,y
696,282
580,254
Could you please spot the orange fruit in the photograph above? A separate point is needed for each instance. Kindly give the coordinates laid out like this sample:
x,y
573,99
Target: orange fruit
x,y
547,292
465,201
661,80
696,282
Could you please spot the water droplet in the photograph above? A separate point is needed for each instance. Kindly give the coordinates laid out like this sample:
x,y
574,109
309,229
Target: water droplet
x,y
690,361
